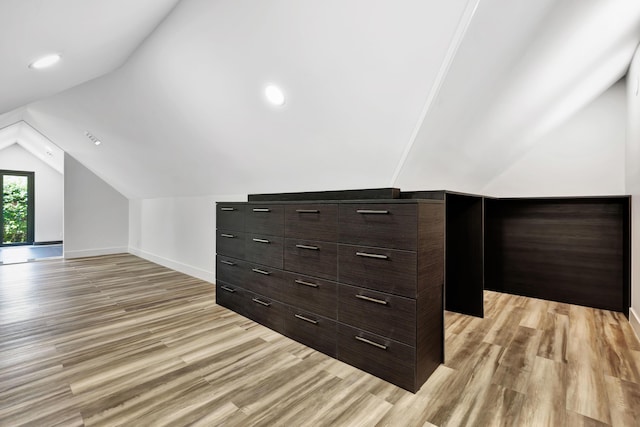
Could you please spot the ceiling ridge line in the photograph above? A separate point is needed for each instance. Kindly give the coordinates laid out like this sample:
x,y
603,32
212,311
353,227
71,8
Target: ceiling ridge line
x,y
461,30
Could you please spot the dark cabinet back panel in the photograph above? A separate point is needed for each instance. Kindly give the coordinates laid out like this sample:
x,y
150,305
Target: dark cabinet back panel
x,y
568,250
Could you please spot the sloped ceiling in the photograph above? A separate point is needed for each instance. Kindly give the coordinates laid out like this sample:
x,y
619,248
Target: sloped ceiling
x,y
416,94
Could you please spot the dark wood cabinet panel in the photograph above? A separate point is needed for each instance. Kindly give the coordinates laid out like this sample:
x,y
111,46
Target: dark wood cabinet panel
x,y
311,329
230,216
311,221
265,219
266,311
311,257
384,358
386,270
383,314
231,270
264,280
264,249
310,293
231,296
383,225
230,243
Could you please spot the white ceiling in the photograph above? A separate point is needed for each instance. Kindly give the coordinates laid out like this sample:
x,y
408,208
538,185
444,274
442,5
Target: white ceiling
x,y
417,94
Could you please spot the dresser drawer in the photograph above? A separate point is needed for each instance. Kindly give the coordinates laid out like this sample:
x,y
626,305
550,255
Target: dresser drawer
x,y
379,224
311,293
230,243
230,216
382,357
264,280
264,219
384,270
311,257
311,221
230,270
265,311
265,250
383,314
232,297
312,330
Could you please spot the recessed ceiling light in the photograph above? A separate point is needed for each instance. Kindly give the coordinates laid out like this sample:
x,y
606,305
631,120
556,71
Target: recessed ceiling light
x,y
274,95
45,61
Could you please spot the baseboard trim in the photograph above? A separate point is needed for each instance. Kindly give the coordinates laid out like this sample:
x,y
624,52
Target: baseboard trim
x,y
52,242
190,270
634,319
94,252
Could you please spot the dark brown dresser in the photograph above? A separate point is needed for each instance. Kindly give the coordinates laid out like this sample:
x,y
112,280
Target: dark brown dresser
x,y
361,281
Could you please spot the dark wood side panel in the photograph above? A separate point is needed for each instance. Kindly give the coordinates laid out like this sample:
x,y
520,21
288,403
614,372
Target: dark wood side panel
x,y
430,333
311,257
465,255
568,250
431,234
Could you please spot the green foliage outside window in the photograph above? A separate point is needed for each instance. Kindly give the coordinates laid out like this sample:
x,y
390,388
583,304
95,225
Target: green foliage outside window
x,y
14,212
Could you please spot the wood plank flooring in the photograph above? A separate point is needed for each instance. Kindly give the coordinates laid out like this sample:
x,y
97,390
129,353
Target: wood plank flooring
x,y
120,341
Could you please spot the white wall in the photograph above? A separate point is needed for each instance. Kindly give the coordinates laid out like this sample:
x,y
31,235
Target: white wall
x,y
177,232
96,220
583,156
632,172
48,191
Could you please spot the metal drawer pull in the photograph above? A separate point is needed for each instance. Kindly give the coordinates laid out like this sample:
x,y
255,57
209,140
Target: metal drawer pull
x,y
375,344
261,210
302,282
377,301
257,270
227,209
369,211
266,304
307,211
313,248
227,262
368,255
227,289
306,319
229,236
261,240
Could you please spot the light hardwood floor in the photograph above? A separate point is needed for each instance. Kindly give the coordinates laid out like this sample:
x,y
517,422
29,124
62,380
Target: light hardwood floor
x,y
121,341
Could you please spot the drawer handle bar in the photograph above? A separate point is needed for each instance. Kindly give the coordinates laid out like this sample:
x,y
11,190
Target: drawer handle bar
x,y
368,255
257,270
375,344
370,211
306,319
261,210
227,209
307,211
313,248
266,304
227,262
228,236
377,301
227,289
304,283
261,240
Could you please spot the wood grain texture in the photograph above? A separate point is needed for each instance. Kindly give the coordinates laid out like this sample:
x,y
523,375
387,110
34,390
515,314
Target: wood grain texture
x,y
311,257
311,221
118,340
264,219
388,225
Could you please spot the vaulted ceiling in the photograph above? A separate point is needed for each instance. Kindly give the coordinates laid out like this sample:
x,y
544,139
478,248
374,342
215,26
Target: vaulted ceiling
x,y
417,94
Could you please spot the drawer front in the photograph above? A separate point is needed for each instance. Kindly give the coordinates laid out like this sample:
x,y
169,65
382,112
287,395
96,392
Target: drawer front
x,y
230,243
264,219
265,311
264,280
311,221
310,293
382,357
230,270
311,330
265,250
379,224
383,314
311,257
230,216
232,297
384,270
